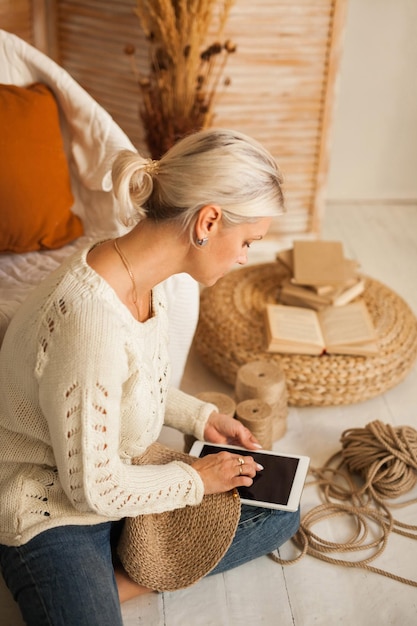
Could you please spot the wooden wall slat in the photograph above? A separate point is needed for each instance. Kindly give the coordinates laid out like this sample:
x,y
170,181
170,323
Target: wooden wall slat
x,y
16,17
92,39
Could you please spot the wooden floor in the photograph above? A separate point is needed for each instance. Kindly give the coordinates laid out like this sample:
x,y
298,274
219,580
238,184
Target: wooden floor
x,y
312,593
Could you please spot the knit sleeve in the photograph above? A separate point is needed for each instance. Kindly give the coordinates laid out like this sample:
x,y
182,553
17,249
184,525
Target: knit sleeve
x,y
186,413
83,372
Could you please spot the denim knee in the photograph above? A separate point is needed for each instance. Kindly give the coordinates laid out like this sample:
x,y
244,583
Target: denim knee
x,y
260,531
64,576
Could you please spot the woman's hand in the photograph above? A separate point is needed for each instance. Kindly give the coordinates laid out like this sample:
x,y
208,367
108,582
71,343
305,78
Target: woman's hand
x,y
226,470
222,428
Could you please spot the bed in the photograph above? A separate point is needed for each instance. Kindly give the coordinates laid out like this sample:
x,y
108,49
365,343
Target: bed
x,y
90,137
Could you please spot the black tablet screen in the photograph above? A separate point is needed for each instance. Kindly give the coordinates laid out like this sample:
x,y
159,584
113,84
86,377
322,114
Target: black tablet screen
x,y
272,484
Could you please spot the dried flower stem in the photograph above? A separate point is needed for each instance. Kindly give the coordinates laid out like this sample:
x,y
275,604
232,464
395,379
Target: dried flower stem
x,y
182,80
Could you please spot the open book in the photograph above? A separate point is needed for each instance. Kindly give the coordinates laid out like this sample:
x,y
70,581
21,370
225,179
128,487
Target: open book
x,y
334,330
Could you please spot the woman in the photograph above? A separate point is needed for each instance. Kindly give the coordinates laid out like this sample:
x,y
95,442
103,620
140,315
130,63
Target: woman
x,y
85,374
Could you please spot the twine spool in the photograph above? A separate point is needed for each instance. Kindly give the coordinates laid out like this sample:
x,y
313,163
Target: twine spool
x,y
265,381
257,416
224,403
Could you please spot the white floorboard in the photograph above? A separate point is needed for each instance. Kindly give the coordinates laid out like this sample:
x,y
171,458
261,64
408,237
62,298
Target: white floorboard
x,y
311,593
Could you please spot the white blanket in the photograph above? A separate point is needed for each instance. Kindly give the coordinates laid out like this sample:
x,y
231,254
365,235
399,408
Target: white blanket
x,y
91,139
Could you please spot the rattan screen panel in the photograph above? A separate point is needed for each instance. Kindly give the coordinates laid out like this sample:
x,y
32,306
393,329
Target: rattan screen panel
x,y
282,87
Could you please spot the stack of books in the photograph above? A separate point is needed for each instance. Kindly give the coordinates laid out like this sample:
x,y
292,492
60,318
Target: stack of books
x,y
324,280
321,276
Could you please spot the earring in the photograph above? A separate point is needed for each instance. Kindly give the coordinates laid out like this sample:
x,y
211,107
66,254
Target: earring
x,y
202,242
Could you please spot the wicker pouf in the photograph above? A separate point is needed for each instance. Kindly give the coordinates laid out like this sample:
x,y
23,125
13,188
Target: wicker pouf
x,y
230,333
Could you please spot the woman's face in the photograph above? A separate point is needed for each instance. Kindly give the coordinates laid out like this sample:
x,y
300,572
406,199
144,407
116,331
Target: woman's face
x,y
227,246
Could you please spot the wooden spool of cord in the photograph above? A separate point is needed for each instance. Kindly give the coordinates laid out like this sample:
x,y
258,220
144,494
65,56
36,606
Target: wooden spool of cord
x,y
257,416
265,381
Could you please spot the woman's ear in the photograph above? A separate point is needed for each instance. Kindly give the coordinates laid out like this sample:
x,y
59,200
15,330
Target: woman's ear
x,y
208,220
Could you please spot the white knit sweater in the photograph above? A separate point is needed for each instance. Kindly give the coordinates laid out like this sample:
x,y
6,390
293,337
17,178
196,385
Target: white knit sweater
x,y
84,388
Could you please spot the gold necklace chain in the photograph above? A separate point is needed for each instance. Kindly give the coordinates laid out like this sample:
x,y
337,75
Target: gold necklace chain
x,y
132,278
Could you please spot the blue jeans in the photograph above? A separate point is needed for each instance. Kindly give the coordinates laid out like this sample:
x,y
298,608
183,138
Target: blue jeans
x,y
65,576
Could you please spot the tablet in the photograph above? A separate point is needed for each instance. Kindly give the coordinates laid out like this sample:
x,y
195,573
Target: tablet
x,y
278,486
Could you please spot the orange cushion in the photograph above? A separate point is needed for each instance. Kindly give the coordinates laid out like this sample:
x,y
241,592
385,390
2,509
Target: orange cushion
x,y
35,187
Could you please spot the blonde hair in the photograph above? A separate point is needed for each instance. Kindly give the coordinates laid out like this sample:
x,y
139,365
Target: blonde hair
x,y
216,166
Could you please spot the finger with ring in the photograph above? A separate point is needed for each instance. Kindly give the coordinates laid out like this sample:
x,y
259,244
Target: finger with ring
x,y
241,461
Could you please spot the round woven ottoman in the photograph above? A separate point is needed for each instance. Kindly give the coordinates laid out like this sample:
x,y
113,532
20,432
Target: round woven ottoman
x,y
230,333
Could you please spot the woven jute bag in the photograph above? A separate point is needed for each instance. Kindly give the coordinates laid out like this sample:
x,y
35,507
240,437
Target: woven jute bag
x,y
175,549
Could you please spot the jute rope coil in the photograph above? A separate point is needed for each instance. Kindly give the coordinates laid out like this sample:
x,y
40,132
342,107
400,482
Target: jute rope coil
x,y
265,381
231,333
385,459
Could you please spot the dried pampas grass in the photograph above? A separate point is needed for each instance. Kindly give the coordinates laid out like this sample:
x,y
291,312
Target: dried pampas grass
x,y
182,80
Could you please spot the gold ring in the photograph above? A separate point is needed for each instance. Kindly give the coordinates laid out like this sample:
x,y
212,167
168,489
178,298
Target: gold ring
x,y
240,470
241,461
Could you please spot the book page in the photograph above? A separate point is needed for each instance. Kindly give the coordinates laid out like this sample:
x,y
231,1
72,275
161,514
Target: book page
x,y
347,324
350,293
294,324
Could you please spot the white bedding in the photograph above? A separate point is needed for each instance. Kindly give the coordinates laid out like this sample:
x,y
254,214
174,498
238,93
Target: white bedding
x,y
91,139
19,273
